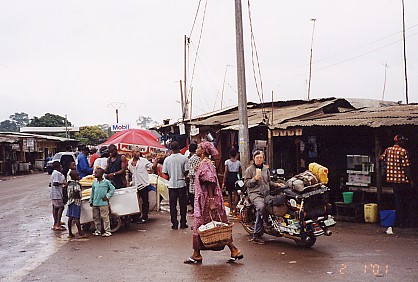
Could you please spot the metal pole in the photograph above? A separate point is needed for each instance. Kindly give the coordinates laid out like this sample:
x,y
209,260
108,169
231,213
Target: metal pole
x,y
404,51
117,116
242,95
310,61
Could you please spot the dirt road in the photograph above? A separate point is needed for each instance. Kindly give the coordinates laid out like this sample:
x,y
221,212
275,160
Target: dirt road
x,y
30,251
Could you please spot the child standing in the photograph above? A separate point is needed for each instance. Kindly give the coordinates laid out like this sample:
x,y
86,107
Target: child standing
x,y
74,204
71,167
102,189
57,184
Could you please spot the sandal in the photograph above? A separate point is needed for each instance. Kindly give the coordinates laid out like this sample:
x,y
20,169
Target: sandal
x,y
82,236
235,258
191,260
70,236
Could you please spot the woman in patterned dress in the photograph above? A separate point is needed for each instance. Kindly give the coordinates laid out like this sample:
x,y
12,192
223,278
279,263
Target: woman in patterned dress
x,y
208,200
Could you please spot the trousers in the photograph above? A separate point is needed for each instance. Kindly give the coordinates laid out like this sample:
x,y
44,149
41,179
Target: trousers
x,y
260,207
404,204
179,194
143,194
101,213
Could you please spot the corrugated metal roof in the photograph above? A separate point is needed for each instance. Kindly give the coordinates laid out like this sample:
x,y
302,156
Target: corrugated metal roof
x,y
282,111
370,117
30,135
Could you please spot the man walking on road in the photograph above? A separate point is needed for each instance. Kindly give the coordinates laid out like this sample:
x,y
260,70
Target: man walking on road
x,y
138,167
398,174
175,166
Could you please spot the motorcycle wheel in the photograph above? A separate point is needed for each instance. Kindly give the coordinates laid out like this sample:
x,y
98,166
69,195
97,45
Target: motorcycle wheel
x,y
307,243
246,220
115,223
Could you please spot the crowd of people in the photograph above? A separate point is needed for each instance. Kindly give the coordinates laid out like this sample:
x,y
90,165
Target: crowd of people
x,y
192,180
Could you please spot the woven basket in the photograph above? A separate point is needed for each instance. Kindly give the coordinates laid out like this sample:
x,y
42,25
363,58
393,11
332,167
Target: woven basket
x,y
217,236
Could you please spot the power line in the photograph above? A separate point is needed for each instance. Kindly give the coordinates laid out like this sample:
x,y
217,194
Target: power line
x,y
361,55
195,17
254,54
198,44
350,50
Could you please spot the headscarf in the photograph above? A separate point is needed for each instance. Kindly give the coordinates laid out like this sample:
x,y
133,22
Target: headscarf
x,y
209,148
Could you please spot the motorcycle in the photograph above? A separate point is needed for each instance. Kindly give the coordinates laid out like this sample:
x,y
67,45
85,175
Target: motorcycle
x,y
300,216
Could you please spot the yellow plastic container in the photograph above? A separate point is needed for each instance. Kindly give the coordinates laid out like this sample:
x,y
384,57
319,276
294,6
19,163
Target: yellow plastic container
x,y
371,213
320,171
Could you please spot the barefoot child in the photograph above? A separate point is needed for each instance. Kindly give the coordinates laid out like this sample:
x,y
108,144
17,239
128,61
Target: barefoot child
x,y
102,189
57,184
74,204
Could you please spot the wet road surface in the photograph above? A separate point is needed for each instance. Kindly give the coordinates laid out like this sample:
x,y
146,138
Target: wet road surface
x,y
30,251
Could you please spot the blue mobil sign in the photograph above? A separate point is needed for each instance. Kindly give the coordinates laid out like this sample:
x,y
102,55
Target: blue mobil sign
x,y
120,126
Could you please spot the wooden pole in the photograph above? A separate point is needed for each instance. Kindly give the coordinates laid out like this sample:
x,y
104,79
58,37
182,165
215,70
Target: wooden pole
x,y
404,52
242,94
377,148
310,60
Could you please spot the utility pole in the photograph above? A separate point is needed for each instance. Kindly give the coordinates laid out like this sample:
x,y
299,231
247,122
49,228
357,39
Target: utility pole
x,y
186,94
310,61
404,52
242,94
117,106
384,82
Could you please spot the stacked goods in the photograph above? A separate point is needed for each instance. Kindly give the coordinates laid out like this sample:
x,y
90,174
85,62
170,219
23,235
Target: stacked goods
x,y
302,180
86,193
87,181
320,171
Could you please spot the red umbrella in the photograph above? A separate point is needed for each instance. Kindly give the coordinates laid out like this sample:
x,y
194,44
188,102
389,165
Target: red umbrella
x,y
125,140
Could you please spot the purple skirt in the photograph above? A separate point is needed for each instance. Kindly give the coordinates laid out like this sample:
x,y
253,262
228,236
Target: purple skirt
x,y
74,211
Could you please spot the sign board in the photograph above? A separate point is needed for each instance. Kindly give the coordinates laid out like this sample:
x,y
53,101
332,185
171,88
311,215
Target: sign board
x,y
182,129
194,130
120,126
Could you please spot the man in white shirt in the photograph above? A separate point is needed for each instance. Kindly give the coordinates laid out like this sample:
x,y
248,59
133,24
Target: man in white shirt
x,y
138,167
175,166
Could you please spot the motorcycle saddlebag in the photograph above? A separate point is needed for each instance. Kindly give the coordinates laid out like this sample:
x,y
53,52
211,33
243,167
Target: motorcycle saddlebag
x,y
275,200
302,180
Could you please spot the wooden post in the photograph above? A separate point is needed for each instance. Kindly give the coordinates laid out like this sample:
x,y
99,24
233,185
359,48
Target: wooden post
x,y
270,147
377,148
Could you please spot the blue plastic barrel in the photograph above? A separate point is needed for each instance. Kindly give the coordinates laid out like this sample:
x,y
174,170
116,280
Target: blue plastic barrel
x,y
387,218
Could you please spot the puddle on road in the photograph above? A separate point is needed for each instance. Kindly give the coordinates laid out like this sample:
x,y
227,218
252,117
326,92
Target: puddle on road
x,y
25,250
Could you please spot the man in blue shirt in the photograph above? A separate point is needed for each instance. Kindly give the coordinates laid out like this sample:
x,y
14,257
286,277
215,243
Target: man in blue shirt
x,y
83,166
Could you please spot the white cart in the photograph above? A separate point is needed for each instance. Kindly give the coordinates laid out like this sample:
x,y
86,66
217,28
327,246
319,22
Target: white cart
x,y
123,203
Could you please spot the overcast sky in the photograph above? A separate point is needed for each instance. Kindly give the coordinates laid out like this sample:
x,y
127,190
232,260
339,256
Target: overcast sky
x,y
77,57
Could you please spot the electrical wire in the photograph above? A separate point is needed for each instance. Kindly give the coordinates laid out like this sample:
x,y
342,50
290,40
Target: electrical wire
x,y
349,50
254,55
361,55
195,18
198,46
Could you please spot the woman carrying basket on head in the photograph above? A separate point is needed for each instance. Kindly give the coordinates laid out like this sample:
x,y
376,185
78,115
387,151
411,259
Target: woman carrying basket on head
x,y
208,204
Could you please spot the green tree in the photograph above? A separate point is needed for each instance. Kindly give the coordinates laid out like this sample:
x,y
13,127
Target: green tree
x,y
145,122
8,126
91,135
48,120
20,119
